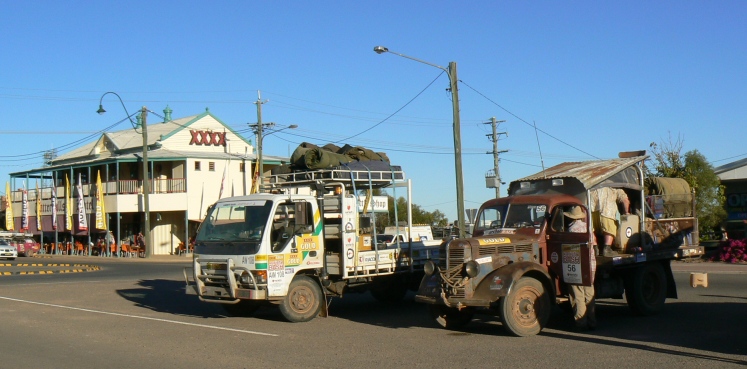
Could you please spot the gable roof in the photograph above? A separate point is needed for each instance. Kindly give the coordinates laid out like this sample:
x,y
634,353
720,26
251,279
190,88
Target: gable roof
x,y
130,140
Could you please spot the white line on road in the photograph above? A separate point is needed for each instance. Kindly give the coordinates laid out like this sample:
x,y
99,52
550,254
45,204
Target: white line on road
x,y
139,317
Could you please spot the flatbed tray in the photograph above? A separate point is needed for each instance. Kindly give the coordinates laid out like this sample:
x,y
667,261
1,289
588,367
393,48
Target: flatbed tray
x,y
362,174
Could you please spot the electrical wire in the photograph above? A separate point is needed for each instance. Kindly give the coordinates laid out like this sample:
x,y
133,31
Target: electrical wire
x,y
525,122
397,111
72,144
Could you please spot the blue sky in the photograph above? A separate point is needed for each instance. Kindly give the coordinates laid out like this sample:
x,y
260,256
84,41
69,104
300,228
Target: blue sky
x,y
596,77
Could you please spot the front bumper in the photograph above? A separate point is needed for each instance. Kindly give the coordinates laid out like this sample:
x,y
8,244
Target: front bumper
x,y
219,283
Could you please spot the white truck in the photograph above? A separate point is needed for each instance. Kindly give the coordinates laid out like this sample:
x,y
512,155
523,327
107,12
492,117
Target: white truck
x,y
300,243
401,234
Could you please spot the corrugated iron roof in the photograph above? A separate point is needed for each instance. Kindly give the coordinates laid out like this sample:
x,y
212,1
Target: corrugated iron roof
x,y
590,173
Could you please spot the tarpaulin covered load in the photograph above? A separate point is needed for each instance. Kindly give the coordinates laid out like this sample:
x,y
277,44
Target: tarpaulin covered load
x,y
308,156
669,197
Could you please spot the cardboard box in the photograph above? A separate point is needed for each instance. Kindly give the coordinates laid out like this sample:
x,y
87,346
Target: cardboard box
x,y
699,279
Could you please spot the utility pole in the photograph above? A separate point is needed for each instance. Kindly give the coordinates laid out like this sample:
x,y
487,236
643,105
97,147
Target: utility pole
x,y
146,185
496,161
259,131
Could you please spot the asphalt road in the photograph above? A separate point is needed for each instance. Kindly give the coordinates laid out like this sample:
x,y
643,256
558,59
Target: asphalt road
x,y
134,313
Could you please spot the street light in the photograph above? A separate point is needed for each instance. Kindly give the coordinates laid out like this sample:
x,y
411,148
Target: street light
x,y
146,183
452,73
259,131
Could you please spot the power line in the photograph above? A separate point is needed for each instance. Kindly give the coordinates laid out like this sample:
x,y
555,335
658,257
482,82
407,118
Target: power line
x,y
86,138
397,111
525,122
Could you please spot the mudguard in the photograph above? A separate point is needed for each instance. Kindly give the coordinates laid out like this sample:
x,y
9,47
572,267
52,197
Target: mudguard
x,y
429,290
499,282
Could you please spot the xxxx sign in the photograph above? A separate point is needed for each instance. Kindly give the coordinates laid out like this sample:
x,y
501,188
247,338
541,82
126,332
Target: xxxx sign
x,y
208,138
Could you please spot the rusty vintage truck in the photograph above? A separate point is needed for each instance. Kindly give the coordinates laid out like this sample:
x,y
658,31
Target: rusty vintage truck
x,y
521,258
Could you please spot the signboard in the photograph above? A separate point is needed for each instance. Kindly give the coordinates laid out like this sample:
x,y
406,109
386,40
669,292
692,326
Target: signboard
x,y
378,204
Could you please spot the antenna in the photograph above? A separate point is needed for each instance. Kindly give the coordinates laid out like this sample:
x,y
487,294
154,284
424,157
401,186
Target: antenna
x,y
542,161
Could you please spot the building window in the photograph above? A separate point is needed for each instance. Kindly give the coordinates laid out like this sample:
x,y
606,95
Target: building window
x,y
242,167
197,165
211,166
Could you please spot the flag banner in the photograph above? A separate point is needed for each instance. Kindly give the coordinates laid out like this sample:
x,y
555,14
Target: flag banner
x,y
9,221
54,206
82,218
25,209
100,210
38,208
68,206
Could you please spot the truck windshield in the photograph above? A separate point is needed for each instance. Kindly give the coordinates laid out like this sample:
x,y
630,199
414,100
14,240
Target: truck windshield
x,y
233,228
525,215
492,218
512,216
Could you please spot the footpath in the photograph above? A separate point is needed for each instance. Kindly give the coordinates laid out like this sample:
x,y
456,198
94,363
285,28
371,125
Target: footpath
x,y
703,266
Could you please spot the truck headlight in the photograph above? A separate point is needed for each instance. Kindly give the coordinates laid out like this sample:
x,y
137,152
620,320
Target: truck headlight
x,y
429,268
244,278
472,268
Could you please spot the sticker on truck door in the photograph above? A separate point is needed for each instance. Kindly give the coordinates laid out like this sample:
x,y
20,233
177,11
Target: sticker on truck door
x,y
572,264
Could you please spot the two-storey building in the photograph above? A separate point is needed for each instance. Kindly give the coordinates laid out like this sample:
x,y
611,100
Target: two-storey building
x,y
192,161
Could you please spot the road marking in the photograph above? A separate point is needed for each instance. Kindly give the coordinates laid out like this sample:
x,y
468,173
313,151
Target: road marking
x,y
139,317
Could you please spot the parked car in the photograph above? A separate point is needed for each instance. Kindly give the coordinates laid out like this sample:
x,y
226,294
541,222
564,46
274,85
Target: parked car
x,y
7,251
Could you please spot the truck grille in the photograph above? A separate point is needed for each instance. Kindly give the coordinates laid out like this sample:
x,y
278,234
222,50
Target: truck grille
x,y
451,263
504,249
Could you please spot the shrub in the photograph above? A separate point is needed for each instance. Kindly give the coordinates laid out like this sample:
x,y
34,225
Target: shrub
x,y
732,251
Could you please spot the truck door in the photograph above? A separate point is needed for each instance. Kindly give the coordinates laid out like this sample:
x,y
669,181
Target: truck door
x,y
292,245
571,257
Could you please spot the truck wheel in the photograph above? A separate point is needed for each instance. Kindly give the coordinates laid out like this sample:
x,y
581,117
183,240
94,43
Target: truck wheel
x,y
243,308
450,318
526,308
389,288
646,289
304,300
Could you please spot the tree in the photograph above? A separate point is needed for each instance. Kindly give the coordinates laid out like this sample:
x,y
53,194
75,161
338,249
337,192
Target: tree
x,y
699,174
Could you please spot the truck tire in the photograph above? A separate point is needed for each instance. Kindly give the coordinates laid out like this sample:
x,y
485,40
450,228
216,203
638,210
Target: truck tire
x,y
303,301
646,289
450,318
389,288
526,308
242,308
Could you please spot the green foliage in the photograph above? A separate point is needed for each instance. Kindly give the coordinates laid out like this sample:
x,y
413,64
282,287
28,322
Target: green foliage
x,y
699,174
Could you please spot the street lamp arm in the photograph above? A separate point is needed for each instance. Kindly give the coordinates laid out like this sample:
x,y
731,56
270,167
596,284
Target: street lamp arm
x,y
451,72
292,126
101,110
382,49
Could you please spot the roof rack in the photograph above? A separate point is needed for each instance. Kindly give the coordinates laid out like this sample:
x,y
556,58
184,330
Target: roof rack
x,y
357,174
